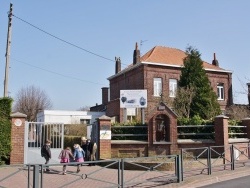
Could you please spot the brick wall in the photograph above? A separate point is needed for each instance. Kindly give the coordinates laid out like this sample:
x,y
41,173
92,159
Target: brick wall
x,y
105,149
123,150
17,138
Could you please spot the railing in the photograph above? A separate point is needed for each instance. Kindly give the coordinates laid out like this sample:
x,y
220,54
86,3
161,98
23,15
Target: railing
x,y
143,171
237,131
200,131
195,131
129,132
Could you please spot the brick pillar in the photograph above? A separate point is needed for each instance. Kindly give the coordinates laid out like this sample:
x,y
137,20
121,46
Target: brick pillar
x,y
246,122
17,138
173,137
221,134
104,124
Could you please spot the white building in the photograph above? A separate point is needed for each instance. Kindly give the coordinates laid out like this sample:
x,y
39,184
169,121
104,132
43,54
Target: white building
x,y
68,117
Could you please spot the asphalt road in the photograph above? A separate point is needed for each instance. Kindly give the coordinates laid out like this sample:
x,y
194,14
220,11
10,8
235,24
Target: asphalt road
x,y
243,182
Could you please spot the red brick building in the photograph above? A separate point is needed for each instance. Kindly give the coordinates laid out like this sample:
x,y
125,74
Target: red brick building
x,y
158,72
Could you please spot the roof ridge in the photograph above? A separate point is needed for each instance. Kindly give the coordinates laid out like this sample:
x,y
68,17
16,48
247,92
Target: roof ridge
x,y
171,48
151,51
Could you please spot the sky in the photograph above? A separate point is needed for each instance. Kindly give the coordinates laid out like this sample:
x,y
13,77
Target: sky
x,y
67,48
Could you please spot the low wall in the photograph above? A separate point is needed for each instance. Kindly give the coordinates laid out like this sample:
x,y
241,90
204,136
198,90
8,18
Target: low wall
x,y
128,149
131,148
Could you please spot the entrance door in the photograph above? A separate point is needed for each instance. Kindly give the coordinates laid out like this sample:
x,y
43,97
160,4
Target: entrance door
x,y
36,134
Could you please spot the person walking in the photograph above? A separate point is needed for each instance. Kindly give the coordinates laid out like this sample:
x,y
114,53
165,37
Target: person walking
x,y
64,157
46,153
85,147
90,148
79,155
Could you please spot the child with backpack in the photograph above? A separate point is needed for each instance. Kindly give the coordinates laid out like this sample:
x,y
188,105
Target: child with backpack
x,y
79,155
64,157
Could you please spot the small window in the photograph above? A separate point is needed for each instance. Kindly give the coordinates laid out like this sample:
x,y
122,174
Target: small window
x,y
220,91
172,87
85,121
157,87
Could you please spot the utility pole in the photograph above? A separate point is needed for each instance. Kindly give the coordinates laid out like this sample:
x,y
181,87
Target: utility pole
x,y
7,55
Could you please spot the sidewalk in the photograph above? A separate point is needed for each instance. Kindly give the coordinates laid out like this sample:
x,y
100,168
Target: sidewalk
x,y
215,177
102,175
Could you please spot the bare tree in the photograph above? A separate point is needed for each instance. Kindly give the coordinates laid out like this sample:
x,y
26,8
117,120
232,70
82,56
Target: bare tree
x,y
238,112
84,108
183,100
30,101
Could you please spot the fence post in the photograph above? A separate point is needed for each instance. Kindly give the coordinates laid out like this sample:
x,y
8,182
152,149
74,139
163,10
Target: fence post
x,y
122,173
232,157
179,171
36,176
119,173
209,161
182,161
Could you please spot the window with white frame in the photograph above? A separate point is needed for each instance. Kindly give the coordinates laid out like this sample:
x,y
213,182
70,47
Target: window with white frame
x,y
220,91
157,87
172,87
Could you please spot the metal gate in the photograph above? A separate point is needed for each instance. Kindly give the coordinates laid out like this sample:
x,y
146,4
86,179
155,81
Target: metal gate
x,y
36,134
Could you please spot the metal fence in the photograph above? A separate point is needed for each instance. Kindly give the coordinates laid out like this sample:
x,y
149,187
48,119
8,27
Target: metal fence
x,y
206,160
129,172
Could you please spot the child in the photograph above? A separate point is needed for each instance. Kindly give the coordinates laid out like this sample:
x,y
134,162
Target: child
x,y
65,156
46,153
78,155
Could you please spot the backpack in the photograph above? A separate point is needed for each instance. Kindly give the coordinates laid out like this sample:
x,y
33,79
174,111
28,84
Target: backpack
x,y
43,151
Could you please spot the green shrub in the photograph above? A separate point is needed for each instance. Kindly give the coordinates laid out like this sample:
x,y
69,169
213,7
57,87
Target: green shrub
x,y
5,130
196,120
69,141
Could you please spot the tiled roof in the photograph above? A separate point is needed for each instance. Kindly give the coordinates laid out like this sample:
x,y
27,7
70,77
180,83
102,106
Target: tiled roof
x,y
170,56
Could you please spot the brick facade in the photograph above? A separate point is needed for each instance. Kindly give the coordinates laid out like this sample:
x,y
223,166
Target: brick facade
x,y
142,76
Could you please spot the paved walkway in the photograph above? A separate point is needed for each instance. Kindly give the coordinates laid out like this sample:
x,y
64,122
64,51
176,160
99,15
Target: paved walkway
x,y
215,177
96,176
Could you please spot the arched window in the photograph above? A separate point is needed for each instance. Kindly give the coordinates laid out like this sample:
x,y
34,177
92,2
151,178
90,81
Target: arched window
x,y
161,128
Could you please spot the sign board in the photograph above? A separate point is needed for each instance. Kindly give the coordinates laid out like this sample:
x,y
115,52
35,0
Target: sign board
x,y
105,135
133,98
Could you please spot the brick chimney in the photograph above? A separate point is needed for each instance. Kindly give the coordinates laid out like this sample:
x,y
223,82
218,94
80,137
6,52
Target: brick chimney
x,y
215,61
117,65
136,56
105,95
248,86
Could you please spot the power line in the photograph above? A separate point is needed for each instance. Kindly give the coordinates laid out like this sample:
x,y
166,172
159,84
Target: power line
x,y
71,77
62,40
